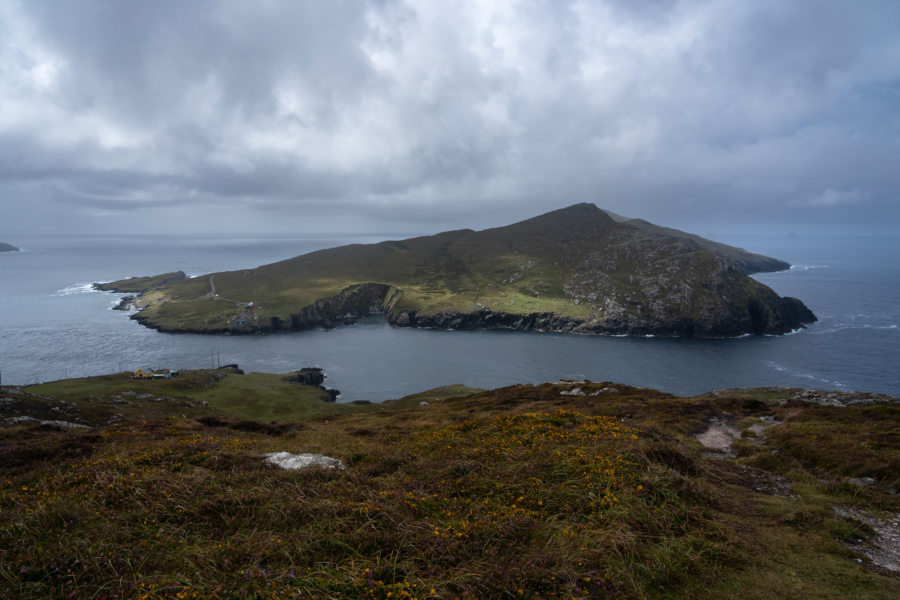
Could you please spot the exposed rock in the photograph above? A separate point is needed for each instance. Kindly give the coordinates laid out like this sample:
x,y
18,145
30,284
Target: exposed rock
x,y
862,481
719,436
289,461
306,376
884,548
60,424
19,420
606,390
748,262
65,425
126,303
576,391
766,482
843,398
313,376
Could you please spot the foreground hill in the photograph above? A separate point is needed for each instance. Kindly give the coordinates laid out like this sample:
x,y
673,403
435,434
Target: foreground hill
x,y
575,269
559,490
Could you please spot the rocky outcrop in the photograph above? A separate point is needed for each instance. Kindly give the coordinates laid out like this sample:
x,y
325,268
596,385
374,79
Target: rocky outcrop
x,y
313,376
125,303
352,303
306,376
4,247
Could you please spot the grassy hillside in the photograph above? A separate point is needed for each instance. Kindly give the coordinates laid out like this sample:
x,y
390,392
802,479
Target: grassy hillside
x,y
568,490
571,269
100,400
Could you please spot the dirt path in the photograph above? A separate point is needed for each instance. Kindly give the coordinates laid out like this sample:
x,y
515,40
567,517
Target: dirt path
x,y
719,436
883,549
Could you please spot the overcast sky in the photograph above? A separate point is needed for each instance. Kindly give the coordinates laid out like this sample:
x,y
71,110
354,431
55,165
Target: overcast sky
x,y
419,116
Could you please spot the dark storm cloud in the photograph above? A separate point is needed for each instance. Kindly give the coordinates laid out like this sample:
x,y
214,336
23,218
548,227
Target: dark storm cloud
x,y
447,114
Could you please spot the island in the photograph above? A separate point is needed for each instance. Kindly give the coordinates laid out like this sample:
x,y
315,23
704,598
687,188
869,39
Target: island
x,y
4,247
578,269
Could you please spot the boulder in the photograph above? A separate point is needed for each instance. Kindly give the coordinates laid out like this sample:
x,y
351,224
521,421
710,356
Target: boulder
x,y
293,462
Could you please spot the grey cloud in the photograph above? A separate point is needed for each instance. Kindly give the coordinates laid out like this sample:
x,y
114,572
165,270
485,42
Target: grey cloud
x,y
461,114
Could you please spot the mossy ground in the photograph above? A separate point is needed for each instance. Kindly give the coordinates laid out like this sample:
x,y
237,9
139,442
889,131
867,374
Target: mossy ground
x,y
522,492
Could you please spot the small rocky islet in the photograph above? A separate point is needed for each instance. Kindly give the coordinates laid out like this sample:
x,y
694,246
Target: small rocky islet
x,y
579,269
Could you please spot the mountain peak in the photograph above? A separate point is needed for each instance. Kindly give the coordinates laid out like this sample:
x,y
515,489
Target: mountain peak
x,y
577,216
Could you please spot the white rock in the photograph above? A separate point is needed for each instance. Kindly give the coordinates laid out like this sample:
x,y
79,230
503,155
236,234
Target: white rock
x,y
573,392
17,420
286,460
66,424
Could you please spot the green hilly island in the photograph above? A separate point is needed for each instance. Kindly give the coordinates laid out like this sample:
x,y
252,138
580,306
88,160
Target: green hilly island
x,y
112,487
577,269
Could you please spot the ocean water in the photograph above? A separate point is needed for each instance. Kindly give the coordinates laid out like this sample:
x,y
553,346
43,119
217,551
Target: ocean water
x,y
53,325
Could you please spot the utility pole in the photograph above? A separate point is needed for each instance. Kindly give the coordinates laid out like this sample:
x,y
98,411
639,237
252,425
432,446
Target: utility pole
x,y
212,363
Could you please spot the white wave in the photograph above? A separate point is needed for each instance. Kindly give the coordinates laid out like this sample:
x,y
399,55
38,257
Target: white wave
x,y
76,288
791,332
820,380
808,267
846,326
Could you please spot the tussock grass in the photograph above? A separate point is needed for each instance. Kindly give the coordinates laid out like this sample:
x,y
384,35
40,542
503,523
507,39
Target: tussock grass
x,y
516,493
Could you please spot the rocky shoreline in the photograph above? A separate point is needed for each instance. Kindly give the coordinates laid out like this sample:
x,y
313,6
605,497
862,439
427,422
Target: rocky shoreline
x,y
788,316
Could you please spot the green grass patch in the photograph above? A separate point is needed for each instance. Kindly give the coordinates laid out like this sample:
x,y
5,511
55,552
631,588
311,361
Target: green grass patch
x,y
260,396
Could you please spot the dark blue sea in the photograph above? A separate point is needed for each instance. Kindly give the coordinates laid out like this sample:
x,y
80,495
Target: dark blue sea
x,y
52,325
